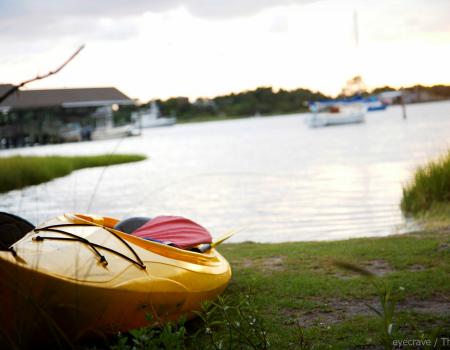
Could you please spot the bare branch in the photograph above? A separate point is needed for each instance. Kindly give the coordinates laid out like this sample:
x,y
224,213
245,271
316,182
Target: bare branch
x,y
39,77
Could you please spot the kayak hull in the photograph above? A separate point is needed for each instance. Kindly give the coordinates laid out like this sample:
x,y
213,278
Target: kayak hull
x,y
58,285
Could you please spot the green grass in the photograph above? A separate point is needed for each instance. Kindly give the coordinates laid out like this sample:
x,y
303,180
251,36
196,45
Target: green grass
x,y
20,171
429,190
299,284
303,300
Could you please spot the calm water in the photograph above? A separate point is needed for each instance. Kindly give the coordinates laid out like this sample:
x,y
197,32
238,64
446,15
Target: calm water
x,y
273,178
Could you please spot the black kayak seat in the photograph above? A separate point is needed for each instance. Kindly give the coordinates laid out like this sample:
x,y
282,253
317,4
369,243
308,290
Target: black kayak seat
x,y
12,228
131,224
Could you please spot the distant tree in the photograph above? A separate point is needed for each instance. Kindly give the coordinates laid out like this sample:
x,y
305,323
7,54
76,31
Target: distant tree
x,y
179,106
383,89
354,87
443,91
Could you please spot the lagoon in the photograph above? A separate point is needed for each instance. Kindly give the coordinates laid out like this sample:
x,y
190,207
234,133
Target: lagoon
x,y
272,178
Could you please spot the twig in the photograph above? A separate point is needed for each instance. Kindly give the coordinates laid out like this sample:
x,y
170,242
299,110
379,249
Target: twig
x,y
38,77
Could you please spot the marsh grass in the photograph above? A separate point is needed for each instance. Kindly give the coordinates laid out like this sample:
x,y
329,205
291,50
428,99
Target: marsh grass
x,y
20,171
436,218
429,190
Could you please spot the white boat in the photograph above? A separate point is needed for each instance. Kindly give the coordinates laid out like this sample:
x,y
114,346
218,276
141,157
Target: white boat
x,y
336,113
104,133
340,112
152,118
105,128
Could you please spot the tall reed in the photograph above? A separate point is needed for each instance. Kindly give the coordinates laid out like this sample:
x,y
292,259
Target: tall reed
x,y
429,187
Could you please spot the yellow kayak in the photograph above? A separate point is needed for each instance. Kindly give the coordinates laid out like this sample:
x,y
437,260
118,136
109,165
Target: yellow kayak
x,y
77,274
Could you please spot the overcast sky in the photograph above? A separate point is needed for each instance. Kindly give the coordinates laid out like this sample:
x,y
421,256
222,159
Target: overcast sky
x,y
203,48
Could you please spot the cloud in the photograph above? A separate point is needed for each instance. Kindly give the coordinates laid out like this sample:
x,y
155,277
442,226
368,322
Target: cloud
x,y
120,8
26,21
71,27
235,8
393,21
44,19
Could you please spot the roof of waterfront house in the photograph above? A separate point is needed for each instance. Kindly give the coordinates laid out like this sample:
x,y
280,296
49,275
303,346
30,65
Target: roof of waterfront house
x,y
78,97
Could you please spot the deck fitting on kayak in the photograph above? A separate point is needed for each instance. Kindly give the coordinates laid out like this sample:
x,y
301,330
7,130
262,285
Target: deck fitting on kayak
x,y
13,252
93,246
138,260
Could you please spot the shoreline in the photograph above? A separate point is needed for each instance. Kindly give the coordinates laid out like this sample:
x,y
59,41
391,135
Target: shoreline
x,y
222,118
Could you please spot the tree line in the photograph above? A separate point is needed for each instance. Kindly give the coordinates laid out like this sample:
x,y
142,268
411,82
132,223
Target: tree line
x,y
267,101
436,92
261,101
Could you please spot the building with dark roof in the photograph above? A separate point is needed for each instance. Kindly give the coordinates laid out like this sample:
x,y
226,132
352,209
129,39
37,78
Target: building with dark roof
x,y
38,116
65,98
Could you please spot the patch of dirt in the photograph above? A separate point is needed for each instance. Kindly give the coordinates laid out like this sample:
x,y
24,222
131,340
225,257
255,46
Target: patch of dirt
x,y
330,312
436,306
416,267
443,247
271,263
344,277
274,263
379,267
246,263
338,310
